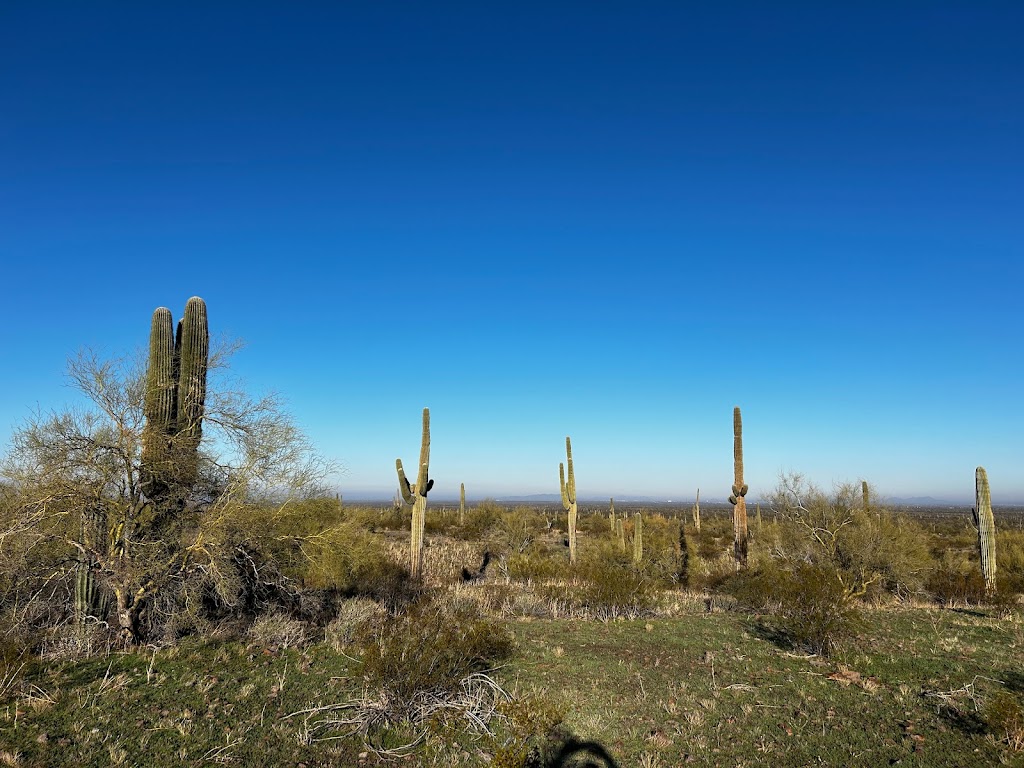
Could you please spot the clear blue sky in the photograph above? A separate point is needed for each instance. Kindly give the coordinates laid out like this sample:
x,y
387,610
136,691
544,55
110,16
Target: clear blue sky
x,y
614,221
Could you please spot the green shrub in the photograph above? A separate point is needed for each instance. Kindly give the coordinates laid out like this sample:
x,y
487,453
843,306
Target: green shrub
x,y
608,584
807,603
430,649
1010,559
1005,718
956,581
881,552
480,520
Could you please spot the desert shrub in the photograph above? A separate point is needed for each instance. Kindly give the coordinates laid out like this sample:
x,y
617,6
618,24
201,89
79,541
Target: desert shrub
x,y
356,616
881,553
537,563
806,603
532,732
1005,718
1010,561
277,630
594,523
480,520
955,580
430,649
513,532
608,584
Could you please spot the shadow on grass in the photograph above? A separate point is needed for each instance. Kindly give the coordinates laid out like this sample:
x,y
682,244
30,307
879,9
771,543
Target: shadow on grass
x,y
1013,680
574,753
775,636
968,723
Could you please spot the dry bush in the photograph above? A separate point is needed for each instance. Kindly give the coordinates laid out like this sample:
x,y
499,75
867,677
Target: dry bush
x,y
356,616
278,630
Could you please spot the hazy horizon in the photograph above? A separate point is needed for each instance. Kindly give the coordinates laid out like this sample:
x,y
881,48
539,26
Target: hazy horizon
x,y
614,223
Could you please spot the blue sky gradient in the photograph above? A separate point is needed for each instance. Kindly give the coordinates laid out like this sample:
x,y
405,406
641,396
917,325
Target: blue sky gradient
x,y
613,221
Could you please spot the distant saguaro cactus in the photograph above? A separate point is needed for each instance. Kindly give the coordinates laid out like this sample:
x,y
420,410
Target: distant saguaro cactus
x,y
866,495
986,525
696,513
416,495
638,538
569,497
462,503
611,515
739,491
620,532
683,571
175,400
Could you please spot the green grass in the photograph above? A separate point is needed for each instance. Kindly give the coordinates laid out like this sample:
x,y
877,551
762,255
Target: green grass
x,y
701,688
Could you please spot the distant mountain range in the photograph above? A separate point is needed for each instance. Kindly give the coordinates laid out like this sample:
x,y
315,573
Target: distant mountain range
x,y
554,498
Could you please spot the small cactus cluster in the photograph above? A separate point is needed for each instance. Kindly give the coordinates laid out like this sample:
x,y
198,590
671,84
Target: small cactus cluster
x,y
739,491
175,400
568,488
985,523
416,496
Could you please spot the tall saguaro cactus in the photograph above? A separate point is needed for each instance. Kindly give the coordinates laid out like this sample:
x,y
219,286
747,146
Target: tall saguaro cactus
x,y
986,524
638,538
462,503
739,491
696,513
569,497
416,495
175,399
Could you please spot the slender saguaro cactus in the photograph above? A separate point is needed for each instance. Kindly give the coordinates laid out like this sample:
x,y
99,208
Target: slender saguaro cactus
x,y
638,538
416,495
620,531
683,572
569,497
986,524
739,491
866,495
462,503
611,514
175,399
696,513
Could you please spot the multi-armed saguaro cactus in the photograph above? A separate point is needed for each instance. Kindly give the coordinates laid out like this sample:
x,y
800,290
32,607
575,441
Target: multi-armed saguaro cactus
x,y
986,525
175,399
638,538
416,495
739,491
569,497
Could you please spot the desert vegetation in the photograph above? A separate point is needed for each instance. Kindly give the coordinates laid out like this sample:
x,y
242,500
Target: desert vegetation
x,y
177,585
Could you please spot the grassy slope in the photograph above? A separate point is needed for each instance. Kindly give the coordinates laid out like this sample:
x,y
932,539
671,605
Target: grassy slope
x,y
706,689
